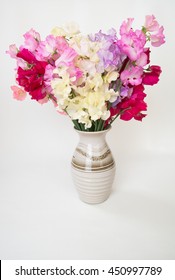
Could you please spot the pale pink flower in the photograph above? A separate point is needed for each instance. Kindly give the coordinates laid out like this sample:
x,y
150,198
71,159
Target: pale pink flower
x,y
158,38
142,60
32,39
44,100
52,47
151,23
18,93
13,50
48,75
66,58
62,44
46,48
34,34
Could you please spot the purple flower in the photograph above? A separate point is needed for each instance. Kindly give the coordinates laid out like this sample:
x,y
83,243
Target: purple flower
x,y
109,54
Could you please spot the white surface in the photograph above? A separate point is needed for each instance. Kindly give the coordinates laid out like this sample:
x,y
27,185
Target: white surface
x,y
41,216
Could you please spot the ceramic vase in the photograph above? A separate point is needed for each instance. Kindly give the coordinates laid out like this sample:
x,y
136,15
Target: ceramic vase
x,y
93,167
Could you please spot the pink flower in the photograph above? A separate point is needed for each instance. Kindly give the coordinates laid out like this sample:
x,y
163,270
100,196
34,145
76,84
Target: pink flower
x,y
155,35
142,60
75,72
18,93
151,23
13,50
32,39
52,47
132,44
44,100
66,57
132,76
126,26
46,48
152,76
158,38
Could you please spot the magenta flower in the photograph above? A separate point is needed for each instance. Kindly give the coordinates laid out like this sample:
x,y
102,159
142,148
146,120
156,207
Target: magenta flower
x,y
131,107
151,77
32,79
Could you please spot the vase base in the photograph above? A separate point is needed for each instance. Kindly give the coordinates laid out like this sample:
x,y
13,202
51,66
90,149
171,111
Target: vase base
x,y
93,200
93,187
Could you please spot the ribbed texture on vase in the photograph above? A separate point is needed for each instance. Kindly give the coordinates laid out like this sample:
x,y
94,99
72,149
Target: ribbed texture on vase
x,y
93,187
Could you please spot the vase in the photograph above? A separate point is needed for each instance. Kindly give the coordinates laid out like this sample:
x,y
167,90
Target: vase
x,y
93,167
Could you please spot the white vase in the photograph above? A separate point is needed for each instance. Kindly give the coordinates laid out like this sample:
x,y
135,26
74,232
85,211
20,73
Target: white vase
x,y
93,167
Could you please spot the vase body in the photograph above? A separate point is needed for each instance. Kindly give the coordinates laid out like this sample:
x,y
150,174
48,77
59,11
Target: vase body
x,y
93,167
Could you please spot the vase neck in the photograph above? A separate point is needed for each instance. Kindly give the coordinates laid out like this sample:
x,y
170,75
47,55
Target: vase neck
x,y
92,137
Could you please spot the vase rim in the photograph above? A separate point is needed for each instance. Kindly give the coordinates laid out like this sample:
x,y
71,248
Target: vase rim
x,y
92,132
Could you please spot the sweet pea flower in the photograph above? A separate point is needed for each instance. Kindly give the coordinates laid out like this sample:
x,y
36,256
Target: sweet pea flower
x,y
155,31
32,79
109,52
18,93
44,100
51,48
92,78
66,57
69,30
132,76
151,77
151,23
13,50
126,26
131,107
158,38
32,39
132,44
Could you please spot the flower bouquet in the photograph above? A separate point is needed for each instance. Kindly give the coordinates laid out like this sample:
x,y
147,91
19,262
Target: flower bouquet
x,y
91,78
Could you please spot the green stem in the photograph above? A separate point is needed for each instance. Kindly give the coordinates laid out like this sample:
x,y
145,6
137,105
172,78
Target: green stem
x,y
96,125
82,126
100,125
76,124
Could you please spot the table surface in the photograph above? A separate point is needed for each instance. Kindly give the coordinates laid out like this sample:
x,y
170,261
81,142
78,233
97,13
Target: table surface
x,y
41,216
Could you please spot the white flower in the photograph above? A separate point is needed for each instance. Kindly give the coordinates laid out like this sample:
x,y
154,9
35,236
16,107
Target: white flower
x,y
69,30
61,90
95,104
111,76
113,95
85,48
76,111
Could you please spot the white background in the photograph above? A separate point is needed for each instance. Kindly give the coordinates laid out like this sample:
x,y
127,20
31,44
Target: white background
x,y
41,216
